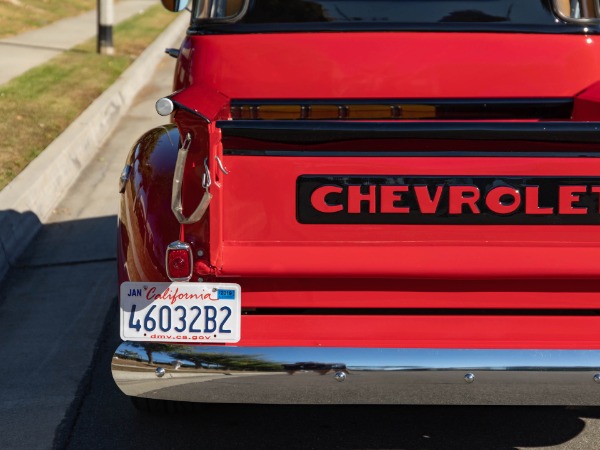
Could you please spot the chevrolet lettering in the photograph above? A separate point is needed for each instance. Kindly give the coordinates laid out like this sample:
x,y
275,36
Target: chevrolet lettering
x,y
457,199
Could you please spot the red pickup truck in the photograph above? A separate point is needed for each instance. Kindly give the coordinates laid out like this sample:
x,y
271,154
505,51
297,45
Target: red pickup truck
x,y
389,201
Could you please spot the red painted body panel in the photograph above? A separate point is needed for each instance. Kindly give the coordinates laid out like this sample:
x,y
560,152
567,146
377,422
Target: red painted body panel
x,y
587,104
428,261
427,331
251,235
456,294
258,231
269,215
391,65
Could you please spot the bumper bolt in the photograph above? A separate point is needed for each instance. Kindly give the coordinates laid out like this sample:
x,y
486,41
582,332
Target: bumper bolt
x,y
340,376
160,372
469,378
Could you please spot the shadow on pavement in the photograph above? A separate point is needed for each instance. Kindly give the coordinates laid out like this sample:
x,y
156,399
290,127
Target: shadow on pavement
x,y
53,307
72,242
16,231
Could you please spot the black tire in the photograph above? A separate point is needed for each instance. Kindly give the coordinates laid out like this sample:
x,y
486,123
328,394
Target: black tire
x,y
160,407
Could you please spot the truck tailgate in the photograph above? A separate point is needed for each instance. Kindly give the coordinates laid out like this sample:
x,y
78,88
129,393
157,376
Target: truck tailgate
x,y
479,199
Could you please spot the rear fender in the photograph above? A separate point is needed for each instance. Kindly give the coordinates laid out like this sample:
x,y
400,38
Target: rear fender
x,y
146,224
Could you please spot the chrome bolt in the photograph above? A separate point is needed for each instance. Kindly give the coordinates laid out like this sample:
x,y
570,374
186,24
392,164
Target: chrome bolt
x,y
469,378
200,253
597,378
160,372
340,376
200,280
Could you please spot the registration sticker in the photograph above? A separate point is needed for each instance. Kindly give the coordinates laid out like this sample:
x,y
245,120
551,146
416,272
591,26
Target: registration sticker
x,y
180,312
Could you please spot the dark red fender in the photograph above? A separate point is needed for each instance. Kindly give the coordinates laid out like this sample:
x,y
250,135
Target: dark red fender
x,y
146,225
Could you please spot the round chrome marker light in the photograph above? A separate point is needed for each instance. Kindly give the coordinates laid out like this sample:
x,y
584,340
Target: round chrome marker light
x,y
164,106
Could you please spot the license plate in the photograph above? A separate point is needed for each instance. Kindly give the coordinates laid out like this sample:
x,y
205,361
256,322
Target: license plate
x,y
180,312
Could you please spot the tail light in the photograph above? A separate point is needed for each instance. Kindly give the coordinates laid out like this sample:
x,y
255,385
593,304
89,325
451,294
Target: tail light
x,y
179,261
408,109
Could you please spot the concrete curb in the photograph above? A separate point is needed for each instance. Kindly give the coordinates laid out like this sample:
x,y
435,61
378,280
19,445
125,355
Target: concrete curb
x,y
29,200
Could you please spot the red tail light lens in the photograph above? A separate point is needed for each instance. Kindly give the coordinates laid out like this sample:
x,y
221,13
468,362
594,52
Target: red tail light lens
x,y
179,261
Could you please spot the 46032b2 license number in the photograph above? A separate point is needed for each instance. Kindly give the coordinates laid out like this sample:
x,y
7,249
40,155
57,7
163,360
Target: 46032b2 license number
x,y
180,311
207,319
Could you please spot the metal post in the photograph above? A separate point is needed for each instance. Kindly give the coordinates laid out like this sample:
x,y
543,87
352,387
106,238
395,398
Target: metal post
x,y
105,27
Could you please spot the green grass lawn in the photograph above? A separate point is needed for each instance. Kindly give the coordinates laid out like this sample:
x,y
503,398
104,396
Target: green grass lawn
x,y
40,104
17,16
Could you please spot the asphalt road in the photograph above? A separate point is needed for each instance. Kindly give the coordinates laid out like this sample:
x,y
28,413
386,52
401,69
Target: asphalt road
x,y
58,331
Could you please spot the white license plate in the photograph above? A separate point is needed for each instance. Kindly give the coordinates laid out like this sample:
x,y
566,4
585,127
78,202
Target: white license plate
x,y
181,312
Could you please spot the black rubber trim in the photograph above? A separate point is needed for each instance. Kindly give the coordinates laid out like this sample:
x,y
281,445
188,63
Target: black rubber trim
x,y
198,28
491,102
423,154
314,132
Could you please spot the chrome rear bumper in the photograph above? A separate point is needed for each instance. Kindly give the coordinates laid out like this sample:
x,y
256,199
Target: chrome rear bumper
x,y
316,375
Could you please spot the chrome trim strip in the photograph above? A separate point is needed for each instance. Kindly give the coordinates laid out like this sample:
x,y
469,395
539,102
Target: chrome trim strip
x,y
316,375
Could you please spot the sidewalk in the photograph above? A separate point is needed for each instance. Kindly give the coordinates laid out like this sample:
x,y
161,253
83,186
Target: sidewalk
x,y
20,53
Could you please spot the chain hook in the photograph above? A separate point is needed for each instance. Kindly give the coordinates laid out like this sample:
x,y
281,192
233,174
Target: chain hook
x,y
206,180
223,169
